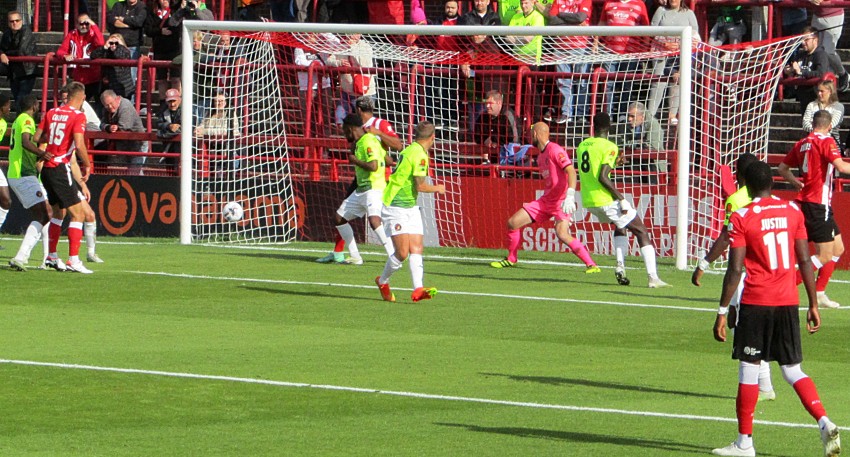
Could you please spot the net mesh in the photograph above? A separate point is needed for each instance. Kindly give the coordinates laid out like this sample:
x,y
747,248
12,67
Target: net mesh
x,y
482,157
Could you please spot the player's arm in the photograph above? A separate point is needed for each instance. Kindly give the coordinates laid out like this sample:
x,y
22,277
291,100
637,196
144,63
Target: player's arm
x,y
83,153
368,166
785,171
717,249
804,264
606,183
421,183
29,145
730,284
78,177
391,141
841,166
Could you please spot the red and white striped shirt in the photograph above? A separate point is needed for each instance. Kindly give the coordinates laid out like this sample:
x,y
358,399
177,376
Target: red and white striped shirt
x,y
814,155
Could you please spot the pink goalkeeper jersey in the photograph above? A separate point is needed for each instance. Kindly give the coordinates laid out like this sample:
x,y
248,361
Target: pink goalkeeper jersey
x,y
553,161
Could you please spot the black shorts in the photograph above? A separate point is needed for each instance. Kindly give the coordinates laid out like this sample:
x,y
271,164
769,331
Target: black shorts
x,y
768,333
820,224
60,185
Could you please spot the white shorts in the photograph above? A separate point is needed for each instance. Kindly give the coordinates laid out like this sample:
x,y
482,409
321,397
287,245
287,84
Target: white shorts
x,y
358,204
3,182
29,190
402,221
611,213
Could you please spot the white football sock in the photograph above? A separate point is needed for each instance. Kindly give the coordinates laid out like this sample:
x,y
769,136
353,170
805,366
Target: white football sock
x,y
90,230
347,234
385,240
392,265
648,253
31,237
765,383
3,214
45,240
417,270
621,246
816,262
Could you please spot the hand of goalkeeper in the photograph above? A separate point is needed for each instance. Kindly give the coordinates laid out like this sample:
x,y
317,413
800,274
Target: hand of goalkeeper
x,y
569,204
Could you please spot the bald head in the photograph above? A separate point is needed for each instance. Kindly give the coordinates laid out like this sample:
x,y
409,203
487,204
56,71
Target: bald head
x,y
540,134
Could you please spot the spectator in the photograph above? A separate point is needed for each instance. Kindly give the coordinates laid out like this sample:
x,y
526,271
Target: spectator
x,y
641,131
480,14
496,127
223,127
507,10
571,13
79,44
442,91
621,13
729,28
168,120
386,12
828,101
809,62
530,45
794,20
17,41
321,99
674,14
165,33
829,22
116,78
120,116
127,18
355,83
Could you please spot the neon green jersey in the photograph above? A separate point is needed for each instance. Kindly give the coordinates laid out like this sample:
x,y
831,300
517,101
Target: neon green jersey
x,y
533,48
22,162
401,190
507,10
369,148
591,154
736,201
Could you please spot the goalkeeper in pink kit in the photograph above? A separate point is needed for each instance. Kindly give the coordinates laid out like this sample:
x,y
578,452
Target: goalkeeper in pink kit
x,y
558,200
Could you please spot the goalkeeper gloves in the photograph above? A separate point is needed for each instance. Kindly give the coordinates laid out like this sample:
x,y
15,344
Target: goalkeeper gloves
x,y
569,204
625,206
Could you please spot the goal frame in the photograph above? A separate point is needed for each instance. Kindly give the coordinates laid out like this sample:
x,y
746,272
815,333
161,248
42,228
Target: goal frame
x,y
685,35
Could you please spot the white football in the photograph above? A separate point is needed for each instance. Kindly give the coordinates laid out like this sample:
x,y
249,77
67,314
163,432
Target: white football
x,y
232,212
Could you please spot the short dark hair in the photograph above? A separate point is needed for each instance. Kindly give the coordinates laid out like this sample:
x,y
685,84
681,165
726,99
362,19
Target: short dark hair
x,y
809,30
365,104
352,120
759,177
423,130
744,161
26,103
601,122
822,119
5,99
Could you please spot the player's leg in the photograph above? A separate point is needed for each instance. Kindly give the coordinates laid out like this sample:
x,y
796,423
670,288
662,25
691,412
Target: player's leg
x,y
5,199
32,197
825,272
49,177
373,213
766,392
337,255
808,393
517,221
647,251
415,248
75,236
611,213
562,229
394,222
90,233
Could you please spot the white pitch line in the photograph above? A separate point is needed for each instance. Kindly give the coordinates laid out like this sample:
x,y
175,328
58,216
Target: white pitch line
x,y
446,292
394,393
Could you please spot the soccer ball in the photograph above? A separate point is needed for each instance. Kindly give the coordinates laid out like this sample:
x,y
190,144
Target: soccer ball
x,y
232,212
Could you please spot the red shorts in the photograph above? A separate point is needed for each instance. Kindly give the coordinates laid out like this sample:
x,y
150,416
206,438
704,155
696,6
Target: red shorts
x,y
540,211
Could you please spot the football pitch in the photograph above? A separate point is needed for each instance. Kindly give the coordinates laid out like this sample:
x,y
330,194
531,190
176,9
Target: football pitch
x,y
260,351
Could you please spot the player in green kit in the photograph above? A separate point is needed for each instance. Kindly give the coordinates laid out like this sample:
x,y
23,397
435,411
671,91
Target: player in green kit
x,y
596,157
24,155
402,219
5,198
736,201
369,160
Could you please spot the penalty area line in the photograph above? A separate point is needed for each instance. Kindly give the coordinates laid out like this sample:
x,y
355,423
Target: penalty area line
x,y
441,291
395,393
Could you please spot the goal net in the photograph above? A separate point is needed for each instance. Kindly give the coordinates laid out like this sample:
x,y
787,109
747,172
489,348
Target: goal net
x,y
681,112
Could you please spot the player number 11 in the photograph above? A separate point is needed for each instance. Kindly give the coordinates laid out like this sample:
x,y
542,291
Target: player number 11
x,y
772,240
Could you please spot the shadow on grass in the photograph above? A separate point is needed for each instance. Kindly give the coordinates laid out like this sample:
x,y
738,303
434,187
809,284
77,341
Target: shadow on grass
x,y
578,437
271,290
555,381
654,294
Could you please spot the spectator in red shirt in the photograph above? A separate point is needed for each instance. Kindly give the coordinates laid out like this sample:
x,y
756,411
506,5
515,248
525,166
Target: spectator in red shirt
x,y
79,44
621,13
571,13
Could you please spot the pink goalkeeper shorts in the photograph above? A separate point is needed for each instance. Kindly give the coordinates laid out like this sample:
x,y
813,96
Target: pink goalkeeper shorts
x,y
540,211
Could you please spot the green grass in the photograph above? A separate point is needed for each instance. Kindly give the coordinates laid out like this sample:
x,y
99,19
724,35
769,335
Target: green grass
x,y
561,344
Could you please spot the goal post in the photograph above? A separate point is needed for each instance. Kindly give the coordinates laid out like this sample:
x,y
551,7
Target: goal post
x,y
706,105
